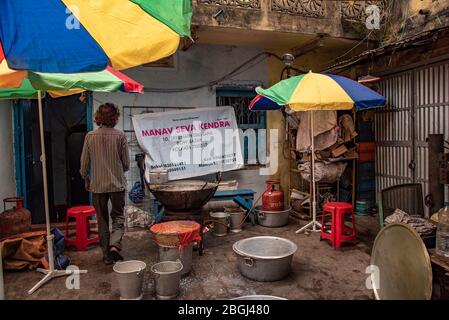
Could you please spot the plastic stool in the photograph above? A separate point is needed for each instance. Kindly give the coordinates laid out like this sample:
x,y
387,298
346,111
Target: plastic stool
x,y
337,231
81,215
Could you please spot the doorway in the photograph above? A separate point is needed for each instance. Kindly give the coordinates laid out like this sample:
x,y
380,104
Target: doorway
x,y
66,122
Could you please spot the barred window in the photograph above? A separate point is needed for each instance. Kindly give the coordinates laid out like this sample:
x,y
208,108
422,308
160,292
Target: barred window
x,y
240,98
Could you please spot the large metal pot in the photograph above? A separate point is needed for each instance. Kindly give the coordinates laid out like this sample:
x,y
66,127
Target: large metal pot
x,y
184,195
264,258
272,219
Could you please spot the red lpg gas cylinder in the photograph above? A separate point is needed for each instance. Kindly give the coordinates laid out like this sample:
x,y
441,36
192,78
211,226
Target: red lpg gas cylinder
x,y
272,199
16,220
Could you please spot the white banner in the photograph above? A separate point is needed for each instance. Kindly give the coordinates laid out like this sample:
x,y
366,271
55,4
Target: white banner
x,y
190,143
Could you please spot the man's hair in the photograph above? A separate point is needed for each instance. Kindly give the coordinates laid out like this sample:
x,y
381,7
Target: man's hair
x,y
107,115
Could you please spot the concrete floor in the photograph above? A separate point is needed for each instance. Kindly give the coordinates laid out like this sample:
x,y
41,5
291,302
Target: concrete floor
x,y
318,271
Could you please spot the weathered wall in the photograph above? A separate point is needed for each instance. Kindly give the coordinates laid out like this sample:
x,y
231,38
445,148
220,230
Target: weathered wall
x,y
306,17
200,64
396,60
413,16
8,182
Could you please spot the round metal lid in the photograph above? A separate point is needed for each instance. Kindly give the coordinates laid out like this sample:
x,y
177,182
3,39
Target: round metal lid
x,y
265,247
400,265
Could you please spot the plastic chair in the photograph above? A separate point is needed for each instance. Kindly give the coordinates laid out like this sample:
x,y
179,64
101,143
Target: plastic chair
x,y
81,215
337,231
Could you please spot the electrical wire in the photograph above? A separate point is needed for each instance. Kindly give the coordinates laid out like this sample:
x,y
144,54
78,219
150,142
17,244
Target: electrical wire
x,y
350,50
245,66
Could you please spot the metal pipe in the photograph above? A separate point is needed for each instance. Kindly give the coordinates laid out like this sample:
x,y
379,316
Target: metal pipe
x,y
436,147
312,170
45,182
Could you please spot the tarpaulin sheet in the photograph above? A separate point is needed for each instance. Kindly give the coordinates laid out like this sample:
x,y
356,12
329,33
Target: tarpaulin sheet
x,y
176,233
25,251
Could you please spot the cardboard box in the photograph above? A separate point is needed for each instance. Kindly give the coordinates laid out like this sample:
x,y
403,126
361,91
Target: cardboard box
x,y
339,151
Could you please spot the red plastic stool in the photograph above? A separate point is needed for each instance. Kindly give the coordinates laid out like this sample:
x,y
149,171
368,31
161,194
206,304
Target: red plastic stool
x,y
81,215
337,231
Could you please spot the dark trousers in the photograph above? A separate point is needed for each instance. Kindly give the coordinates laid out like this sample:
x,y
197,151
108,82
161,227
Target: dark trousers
x,y
100,202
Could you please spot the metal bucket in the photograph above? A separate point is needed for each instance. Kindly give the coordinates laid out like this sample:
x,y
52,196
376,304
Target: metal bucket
x,y
129,276
221,223
167,276
236,217
173,254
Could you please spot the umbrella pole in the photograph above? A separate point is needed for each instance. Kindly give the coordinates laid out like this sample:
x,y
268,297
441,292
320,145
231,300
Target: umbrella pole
x,y
51,273
314,224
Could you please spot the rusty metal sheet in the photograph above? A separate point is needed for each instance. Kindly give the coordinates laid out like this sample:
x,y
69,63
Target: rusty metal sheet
x,y
418,105
402,268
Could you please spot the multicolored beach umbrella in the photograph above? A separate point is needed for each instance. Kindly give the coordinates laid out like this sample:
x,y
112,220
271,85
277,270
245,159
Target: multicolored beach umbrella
x,y
311,92
24,84
69,36
316,91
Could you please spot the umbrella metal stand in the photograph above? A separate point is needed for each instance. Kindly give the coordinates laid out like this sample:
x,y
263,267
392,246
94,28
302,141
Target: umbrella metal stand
x,y
314,224
51,273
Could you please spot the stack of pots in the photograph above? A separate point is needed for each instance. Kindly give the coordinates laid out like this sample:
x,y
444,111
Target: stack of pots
x,y
175,250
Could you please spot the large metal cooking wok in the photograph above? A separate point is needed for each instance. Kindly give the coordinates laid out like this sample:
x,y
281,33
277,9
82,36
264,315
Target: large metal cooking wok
x,y
184,195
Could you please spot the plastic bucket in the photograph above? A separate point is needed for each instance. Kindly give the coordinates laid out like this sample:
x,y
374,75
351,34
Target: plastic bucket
x,y
361,208
173,254
167,276
129,276
221,223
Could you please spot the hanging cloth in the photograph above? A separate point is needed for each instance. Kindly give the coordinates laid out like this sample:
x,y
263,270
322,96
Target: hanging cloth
x,y
325,130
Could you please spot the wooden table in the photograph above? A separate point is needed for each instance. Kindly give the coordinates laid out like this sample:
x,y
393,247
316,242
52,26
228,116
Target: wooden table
x,y
440,266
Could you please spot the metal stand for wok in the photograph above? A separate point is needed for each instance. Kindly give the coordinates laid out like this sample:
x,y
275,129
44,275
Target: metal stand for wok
x,y
186,213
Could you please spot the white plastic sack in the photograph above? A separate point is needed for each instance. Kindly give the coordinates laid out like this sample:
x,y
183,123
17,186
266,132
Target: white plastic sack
x,y
136,217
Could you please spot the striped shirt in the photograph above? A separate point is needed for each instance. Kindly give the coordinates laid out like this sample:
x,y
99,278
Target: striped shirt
x,y
105,159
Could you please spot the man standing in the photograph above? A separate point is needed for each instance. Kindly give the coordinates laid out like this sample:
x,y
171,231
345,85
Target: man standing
x,y
104,161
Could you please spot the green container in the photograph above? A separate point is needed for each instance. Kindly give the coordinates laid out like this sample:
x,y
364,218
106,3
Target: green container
x,y
361,208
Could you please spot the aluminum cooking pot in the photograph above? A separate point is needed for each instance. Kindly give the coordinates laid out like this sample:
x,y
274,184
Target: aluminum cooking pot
x,y
272,219
264,258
